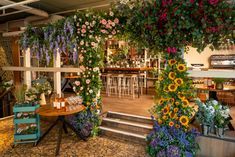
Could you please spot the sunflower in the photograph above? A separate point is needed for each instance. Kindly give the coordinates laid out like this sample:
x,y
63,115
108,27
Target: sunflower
x,y
171,75
172,115
185,102
166,89
179,81
176,109
181,67
177,126
159,121
172,87
171,124
172,62
164,117
160,78
161,101
184,120
166,110
181,95
177,103
171,100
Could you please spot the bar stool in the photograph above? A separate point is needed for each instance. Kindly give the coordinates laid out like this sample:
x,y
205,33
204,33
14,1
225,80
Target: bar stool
x,y
132,83
111,86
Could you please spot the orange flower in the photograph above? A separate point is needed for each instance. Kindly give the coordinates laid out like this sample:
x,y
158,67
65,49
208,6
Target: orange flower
x,y
179,81
172,100
172,87
176,109
160,78
166,110
185,102
172,62
171,75
184,120
181,67
177,103
171,124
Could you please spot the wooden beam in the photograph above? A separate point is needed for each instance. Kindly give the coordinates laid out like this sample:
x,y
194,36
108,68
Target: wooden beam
x,y
41,69
16,59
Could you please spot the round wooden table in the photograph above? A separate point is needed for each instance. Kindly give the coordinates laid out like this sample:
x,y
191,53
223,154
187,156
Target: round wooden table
x,y
49,111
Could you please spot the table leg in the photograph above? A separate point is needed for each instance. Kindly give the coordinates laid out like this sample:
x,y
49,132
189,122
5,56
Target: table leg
x,y
65,128
59,137
40,139
138,79
75,131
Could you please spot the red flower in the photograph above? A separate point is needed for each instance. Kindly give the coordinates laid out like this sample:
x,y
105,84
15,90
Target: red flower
x,y
213,2
192,1
172,50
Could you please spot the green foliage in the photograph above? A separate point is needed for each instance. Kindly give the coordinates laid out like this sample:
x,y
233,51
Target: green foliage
x,y
219,80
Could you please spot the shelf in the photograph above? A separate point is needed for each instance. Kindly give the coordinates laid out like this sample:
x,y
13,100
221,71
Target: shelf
x,y
212,73
25,108
26,137
25,121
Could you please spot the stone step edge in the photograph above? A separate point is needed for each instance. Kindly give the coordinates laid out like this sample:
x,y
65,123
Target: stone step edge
x,y
129,115
127,123
122,132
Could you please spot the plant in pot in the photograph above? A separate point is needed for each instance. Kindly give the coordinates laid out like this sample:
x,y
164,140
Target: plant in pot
x,y
205,115
221,119
219,83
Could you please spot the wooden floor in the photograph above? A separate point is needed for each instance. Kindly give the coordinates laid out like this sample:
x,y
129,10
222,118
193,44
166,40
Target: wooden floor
x,y
137,106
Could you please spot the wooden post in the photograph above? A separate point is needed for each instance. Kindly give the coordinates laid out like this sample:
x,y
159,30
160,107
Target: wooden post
x,y
27,63
16,59
57,75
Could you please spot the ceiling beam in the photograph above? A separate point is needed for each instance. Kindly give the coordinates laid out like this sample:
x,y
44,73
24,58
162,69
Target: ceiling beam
x,y
17,4
30,10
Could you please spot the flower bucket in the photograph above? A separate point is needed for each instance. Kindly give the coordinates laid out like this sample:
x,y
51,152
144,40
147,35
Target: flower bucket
x,y
205,129
43,99
212,129
220,132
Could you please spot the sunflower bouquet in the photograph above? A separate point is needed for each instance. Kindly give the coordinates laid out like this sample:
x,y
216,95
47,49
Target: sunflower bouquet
x,y
172,112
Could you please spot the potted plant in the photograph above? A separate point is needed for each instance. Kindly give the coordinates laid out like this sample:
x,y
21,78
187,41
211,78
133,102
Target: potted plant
x,y
219,83
221,119
205,115
20,94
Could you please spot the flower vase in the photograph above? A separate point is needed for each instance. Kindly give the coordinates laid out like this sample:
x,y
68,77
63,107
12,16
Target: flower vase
x,y
205,129
43,99
220,132
212,129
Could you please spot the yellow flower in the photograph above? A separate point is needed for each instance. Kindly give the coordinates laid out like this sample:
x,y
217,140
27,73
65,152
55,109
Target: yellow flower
x,y
166,110
159,121
160,78
161,101
166,89
181,67
177,126
172,87
172,100
181,96
171,124
176,109
164,117
171,75
172,62
179,81
177,103
172,115
184,120
185,102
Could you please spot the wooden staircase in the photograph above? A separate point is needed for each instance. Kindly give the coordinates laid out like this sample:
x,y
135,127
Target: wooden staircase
x,y
126,126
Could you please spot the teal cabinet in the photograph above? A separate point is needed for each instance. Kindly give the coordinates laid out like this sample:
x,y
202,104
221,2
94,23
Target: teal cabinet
x,y
26,123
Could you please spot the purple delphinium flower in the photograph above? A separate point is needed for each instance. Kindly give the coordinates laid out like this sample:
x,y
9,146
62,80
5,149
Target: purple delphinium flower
x,y
75,56
188,154
173,151
162,153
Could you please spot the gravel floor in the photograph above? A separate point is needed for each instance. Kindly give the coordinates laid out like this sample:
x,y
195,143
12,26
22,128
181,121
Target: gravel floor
x,y
71,146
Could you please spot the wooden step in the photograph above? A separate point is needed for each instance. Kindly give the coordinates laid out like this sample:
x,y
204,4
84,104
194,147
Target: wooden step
x,y
126,125
123,134
129,117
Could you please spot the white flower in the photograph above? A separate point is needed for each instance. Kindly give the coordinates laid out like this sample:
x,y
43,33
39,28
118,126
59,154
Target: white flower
x,y
81,88
111,13
96,69
82,42
74,88
86,23
90,36
80,19
87,15
90,91
214,102
88,81
75,17
90,61
93,22
131,6
211,108
77,83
